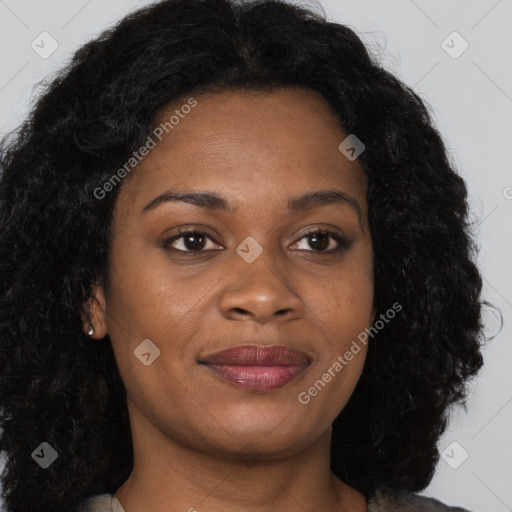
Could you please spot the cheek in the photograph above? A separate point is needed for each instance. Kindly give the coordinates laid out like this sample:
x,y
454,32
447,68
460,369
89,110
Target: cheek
x,y
144,297
342,309
344,302
150,303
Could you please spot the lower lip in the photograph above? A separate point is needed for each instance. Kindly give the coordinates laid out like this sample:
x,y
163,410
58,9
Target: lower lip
x,y
258,378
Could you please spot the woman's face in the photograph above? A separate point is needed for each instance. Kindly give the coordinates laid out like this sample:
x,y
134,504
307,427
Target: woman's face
x,y
257,276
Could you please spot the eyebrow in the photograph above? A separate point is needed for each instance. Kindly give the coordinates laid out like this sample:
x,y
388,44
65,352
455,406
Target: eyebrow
x,y
212,201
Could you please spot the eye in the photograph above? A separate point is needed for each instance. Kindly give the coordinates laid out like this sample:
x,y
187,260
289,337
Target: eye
x,y
191,241
319,240
196,241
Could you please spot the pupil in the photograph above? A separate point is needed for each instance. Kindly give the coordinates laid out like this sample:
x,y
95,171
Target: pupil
x,y
195,244
315,236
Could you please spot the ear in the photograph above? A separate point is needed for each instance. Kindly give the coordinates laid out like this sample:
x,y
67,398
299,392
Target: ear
x,y
95,313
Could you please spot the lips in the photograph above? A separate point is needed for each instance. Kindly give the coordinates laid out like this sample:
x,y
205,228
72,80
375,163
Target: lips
x,y
258,368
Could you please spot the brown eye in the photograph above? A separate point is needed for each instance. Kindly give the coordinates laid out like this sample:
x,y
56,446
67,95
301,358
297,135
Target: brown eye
x,y
191,241
320,240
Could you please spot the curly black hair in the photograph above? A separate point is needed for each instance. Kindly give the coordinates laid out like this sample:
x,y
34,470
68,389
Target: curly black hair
x,y
57,386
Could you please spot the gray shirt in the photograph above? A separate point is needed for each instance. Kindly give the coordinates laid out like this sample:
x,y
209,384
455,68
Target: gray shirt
x,y
383,501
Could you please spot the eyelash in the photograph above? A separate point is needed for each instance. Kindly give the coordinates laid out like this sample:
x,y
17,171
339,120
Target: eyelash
x,y
343,243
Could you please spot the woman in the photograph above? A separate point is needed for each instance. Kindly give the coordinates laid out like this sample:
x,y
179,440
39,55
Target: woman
x,y
237,274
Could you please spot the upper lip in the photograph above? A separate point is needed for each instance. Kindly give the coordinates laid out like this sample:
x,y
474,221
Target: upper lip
x,y
258,355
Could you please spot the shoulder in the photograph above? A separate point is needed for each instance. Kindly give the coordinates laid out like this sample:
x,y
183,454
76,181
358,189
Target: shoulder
x,y
388,500
384,500
101,503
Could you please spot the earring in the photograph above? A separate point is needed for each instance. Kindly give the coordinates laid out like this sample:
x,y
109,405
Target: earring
x,y
91,330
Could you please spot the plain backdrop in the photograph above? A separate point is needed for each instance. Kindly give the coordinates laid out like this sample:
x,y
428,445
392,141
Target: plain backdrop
x,y
456,54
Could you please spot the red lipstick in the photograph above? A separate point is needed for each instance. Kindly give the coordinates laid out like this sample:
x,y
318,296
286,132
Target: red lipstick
x,y
258,368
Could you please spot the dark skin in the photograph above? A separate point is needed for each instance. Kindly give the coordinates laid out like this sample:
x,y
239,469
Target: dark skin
x,y
200,441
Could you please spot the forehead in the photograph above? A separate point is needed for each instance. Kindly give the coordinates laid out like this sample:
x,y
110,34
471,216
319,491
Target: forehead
x,y
253,116
268,142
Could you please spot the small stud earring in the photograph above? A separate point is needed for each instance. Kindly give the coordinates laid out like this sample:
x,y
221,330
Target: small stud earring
x,y
91,330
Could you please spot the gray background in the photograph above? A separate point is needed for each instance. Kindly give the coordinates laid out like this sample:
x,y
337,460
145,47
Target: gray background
x,y
471,99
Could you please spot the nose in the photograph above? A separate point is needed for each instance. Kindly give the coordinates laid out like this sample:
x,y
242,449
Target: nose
x,y
262,291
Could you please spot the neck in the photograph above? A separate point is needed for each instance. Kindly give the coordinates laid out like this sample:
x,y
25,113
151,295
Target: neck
x,y
170,475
